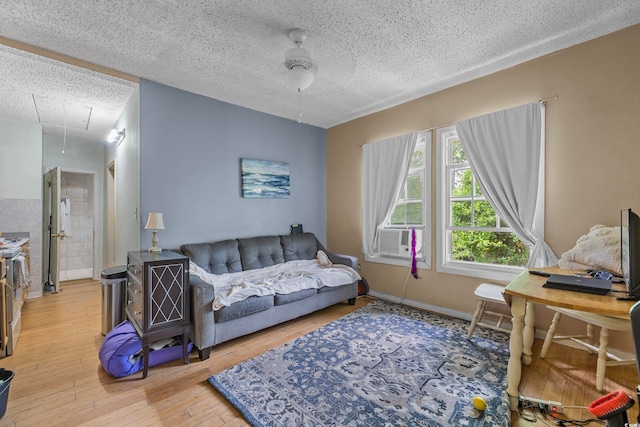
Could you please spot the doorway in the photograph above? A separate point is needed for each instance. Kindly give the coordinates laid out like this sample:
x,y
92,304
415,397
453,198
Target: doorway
x,y
110,219
77,249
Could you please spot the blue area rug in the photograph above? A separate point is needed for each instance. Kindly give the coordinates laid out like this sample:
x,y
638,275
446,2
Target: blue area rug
x,y
382,365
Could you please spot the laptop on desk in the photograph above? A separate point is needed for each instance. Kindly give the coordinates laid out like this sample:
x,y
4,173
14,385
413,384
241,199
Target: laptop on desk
x,y
588,285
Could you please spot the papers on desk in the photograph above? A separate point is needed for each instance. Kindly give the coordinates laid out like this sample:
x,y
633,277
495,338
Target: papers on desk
x,y
587,285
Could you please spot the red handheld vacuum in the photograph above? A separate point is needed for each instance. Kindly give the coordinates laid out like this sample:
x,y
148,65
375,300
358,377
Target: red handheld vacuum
x,y
613,408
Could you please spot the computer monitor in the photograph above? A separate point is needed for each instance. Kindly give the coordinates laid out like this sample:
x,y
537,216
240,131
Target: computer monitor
x,y
630,251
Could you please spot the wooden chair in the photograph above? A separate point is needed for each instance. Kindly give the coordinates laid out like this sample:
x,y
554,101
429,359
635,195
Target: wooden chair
x,y
606,323
488,292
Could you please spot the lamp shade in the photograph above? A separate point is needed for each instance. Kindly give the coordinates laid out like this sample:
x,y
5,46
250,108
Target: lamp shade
x,y
154,221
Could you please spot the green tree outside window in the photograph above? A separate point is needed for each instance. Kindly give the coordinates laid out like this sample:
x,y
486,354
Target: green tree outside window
x,y
474,225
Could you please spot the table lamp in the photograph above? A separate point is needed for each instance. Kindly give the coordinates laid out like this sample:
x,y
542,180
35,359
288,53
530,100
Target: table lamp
x,y
154,222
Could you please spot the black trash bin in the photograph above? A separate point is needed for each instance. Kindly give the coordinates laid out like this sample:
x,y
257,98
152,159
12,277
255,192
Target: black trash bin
x,y
5,382
114,287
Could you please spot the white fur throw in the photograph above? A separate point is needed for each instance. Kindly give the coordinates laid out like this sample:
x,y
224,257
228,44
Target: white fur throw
x,y
598,249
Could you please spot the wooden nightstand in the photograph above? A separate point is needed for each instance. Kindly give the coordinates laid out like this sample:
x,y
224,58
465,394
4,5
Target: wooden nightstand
x,y
158,298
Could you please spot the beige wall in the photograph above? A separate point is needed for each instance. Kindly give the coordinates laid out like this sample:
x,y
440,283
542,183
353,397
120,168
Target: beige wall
x,y
592,166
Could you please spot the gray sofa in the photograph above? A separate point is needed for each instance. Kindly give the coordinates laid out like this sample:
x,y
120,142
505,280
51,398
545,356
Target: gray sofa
x,y
209,327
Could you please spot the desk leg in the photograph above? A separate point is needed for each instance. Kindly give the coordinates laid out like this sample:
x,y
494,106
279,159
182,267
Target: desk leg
x,y
601,366
514,369
528,333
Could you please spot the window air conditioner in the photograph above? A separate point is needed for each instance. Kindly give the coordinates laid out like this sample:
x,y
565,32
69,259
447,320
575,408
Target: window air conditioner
x,y
397,242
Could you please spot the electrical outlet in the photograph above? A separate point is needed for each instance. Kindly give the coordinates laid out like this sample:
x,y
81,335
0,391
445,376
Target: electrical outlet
x,y
555,407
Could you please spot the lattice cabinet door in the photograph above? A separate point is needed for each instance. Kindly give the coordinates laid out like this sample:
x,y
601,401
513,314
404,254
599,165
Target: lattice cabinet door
x,y
158,298
167,299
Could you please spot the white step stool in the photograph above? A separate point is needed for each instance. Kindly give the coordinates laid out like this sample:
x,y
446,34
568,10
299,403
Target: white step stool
x,y
488,292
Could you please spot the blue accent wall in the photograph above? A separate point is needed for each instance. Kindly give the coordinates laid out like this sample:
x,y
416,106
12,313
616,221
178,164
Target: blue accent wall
x,y
190,151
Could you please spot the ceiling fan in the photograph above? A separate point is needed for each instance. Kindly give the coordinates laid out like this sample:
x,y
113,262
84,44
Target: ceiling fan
x,y
301,70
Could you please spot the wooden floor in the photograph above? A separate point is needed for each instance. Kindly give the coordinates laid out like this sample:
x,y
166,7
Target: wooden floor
x,y
59,380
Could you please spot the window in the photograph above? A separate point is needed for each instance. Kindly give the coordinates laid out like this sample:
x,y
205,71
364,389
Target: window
x,y
411,210
408,211
472,238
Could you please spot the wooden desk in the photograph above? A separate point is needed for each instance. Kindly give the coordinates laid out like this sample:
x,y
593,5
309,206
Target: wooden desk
x,y
521,294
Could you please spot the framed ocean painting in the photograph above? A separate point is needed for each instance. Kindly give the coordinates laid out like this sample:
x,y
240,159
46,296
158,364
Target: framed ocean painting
x,y
264,179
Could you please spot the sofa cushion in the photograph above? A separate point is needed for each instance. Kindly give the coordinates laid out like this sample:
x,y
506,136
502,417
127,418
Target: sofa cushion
x,y
218,257
258,252
301,246
243,308
325,289
282,299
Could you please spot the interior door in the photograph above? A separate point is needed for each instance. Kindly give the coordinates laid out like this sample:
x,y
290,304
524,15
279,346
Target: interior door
x,y
51,232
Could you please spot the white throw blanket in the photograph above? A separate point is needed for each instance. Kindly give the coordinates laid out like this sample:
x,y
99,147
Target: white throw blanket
x,y
284,278
598,249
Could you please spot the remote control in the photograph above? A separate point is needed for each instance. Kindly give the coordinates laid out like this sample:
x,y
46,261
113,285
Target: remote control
x,y
539,273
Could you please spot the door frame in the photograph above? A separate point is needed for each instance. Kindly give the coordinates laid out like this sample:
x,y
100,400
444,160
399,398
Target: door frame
x,y
97,236
51,180
110,214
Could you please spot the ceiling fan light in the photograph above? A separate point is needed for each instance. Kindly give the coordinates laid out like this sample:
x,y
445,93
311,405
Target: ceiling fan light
x,y
299,79
301,71
298,57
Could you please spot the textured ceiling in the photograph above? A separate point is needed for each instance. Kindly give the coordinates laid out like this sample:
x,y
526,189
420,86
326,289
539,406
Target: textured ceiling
x,y
371,54
36,89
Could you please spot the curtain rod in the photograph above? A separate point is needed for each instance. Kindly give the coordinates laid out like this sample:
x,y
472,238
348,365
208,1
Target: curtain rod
x,y
451,124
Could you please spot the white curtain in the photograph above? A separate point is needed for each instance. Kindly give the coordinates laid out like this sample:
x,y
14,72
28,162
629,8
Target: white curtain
x,y
506,153
384,168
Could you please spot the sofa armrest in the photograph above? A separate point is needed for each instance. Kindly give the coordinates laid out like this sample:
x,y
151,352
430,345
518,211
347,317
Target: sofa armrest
x,y
202,318
349,260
